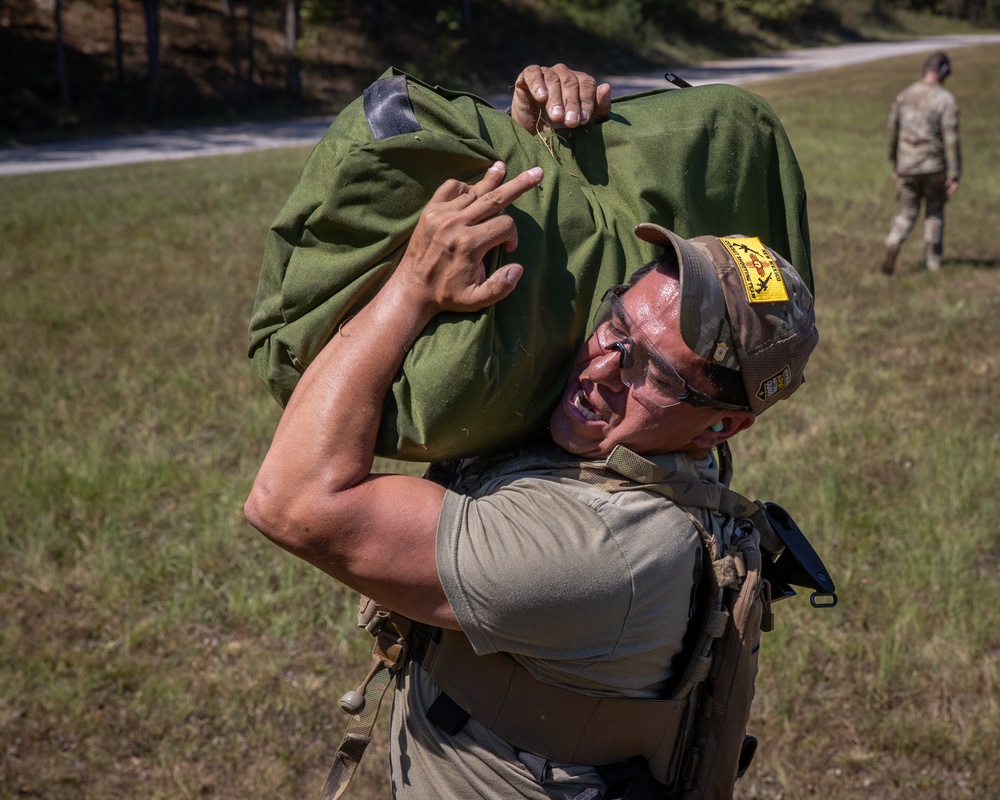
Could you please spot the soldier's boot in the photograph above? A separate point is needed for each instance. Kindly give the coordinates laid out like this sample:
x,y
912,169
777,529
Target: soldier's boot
x,y
932,256
933,241
888,262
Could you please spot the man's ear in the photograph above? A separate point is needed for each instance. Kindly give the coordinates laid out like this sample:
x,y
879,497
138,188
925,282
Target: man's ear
x,y
731,422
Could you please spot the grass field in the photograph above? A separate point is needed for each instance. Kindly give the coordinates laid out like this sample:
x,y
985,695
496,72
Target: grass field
x,y
154,646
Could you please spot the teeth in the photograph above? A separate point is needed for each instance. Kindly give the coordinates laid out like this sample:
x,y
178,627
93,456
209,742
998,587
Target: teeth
x,y
578,402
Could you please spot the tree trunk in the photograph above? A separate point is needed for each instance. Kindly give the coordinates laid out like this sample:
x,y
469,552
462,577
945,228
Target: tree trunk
x,y
467,18
64,99
151,11
251,57
234,45
119,54
293,31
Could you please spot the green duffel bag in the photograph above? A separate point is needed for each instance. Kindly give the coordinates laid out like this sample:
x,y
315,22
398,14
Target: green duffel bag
x,y
707,160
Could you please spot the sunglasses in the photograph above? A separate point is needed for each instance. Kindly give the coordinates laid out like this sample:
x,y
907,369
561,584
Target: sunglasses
x,y
643,369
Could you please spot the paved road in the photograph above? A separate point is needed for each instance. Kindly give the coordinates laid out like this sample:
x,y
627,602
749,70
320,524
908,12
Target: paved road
x,y
190,143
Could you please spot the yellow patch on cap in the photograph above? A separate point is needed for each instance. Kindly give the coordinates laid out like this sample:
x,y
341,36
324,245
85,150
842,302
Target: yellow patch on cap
x,y
761,276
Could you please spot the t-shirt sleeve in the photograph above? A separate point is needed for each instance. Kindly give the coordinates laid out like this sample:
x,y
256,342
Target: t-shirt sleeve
x,y
533,570
550,571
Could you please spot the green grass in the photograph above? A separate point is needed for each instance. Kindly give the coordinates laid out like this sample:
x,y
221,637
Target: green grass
x,y
154,646
888,457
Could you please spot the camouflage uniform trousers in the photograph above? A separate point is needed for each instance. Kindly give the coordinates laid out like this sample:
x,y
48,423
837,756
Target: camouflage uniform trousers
x,y
910,190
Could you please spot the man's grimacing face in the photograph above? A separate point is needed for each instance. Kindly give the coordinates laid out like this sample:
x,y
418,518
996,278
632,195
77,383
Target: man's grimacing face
x,y
597,411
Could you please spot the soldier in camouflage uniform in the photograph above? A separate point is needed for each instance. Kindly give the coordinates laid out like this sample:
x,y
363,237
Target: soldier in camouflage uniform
x,y
926,160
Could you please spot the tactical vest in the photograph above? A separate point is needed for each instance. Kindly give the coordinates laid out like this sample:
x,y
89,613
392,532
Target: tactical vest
x,y
693,739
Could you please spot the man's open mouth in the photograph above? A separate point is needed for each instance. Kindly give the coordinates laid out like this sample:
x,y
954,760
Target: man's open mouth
x,y
585,408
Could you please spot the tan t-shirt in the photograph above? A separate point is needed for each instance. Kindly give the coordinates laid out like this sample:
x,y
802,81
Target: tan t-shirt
x,y
588,589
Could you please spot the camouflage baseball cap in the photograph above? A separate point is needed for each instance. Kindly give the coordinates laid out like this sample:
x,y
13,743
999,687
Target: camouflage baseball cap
x,y
745,308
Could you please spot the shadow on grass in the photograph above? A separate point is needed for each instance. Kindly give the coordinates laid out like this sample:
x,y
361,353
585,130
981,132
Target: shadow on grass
x,y
975,263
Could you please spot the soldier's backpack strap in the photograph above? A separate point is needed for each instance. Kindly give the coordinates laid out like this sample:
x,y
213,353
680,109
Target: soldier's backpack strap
x,y
789,559
639,473
389,654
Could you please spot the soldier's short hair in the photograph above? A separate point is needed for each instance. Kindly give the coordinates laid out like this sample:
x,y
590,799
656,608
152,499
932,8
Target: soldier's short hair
x,y
939,63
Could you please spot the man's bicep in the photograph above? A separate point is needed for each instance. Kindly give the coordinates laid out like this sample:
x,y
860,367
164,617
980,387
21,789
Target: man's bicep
x,y
381,542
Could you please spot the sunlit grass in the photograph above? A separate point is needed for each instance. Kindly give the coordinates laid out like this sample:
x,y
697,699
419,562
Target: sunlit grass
x,y
888,458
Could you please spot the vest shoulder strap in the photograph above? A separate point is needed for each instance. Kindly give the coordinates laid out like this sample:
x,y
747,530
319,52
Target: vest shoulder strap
x,y
624,471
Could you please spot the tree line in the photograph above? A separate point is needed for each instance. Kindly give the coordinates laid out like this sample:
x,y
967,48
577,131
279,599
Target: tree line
x,y
242,43
624,18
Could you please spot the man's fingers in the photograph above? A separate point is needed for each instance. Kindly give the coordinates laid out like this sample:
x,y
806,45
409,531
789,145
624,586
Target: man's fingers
x,y
577,90
491,180
602,104
557,90
445,256
470,219
502,282
574,97
457,194
494,289
492,196
531,81
458,210
558,97
554,89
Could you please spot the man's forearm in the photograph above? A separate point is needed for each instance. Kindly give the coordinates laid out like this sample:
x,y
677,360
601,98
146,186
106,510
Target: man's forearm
x,y
327,433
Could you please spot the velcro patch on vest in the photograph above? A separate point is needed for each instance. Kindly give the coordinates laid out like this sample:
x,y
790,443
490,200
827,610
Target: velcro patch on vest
x,y
760,274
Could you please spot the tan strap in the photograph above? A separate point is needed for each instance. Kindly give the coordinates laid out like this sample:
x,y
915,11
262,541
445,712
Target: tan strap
x,y
357,738
551,721
640,473
388,658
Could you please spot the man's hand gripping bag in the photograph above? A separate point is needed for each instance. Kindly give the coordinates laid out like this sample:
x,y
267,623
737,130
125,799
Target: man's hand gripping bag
x,y
708,160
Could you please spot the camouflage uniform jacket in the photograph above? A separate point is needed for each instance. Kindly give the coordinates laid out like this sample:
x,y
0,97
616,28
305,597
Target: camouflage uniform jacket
x,y
923,131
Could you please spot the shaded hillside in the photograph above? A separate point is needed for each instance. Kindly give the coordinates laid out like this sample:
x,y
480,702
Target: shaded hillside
x,y
208,71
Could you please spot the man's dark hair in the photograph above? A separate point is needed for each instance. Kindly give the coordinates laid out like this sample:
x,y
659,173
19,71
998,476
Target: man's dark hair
x,y
727,384
938,63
